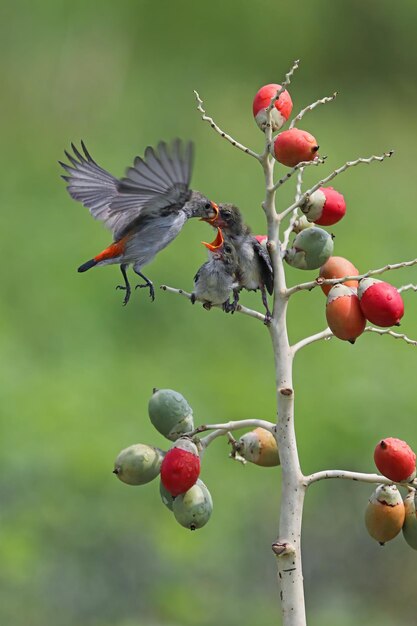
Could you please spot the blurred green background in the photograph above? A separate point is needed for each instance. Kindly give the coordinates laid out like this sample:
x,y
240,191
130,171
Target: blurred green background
x,y
77,547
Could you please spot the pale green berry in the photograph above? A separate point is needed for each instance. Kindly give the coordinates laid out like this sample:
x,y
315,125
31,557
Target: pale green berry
x,y
193,508
138,464
166,497
170,413
311,249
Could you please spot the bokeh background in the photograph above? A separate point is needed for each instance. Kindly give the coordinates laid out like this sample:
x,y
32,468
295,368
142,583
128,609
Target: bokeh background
x,y
77,547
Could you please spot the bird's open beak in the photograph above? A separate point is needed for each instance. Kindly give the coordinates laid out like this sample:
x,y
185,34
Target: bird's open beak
x,y
211,220
216,244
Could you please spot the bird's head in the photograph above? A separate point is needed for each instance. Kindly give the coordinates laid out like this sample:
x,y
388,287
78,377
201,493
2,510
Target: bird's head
x,y
200,206
229,219
222,248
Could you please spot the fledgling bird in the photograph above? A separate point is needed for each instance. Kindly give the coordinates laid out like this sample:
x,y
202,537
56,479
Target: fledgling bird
x,y
254,265
145,210
216,278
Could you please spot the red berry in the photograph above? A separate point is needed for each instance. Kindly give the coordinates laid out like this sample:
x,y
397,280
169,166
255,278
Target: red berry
x,y
325,207
180,468
343,313
380,302
395,459
281,111
338,267
293,146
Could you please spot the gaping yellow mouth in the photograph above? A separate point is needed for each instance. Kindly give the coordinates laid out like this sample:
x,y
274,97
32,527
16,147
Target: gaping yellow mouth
x,y
217,243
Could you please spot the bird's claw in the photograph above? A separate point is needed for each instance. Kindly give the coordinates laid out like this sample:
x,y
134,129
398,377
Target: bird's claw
x,y
128,292
150,287
268,319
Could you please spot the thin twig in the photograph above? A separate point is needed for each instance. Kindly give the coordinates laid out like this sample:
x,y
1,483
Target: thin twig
x,y
359,476
222,429
310,107
299,186
296,168
333,281
268,110
330,177
285,84
391,333
239,309
218,130
407,288
325,334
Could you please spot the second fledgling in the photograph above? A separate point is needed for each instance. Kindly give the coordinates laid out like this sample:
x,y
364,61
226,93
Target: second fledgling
x,y
216,279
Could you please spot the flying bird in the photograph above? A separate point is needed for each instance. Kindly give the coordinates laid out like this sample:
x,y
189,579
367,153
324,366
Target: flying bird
x,y
145,210
216,279
254,265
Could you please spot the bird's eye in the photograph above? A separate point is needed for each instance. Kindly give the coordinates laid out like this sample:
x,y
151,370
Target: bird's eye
x,y
226,214
207,205
228,248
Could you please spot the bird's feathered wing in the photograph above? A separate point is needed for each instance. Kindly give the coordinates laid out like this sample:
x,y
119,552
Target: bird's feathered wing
x,y
266,265
157,183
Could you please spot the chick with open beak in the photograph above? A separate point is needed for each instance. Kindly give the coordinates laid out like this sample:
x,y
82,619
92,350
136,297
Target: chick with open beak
x,y
216,278
254,265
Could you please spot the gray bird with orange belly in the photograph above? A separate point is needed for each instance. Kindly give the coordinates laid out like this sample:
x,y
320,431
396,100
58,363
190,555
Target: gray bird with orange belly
x,y
145,210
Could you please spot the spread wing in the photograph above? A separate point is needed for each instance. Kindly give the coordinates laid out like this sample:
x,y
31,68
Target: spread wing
x,y
157,183
90,184
266,266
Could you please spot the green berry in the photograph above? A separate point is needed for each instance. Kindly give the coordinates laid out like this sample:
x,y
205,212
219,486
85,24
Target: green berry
x,y
138,464
193,508
311,249
170,413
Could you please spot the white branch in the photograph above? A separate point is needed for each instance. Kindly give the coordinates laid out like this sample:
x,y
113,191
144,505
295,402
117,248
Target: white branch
x,y
299,186
239,309
346,475
391,333
407,288
222,429
285,84
301,114
218,130
324,334
333,281
296,168
330,177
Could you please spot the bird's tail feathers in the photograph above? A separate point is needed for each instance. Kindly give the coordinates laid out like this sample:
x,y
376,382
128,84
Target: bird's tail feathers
x,y
88,265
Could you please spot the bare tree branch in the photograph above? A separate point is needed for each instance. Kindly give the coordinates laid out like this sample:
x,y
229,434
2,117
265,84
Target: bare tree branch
x,y
222,429
325,334
218,130
310,107
239,309
333,281
391,333
330,177
296,168
359,476
409,287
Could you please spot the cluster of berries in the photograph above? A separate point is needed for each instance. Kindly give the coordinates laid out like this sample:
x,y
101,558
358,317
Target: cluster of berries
x,y
181,489
349,304
387,513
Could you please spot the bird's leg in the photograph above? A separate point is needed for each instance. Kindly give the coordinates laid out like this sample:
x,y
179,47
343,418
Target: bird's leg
x,y
148,284
207,306
126,286
235,300
268,315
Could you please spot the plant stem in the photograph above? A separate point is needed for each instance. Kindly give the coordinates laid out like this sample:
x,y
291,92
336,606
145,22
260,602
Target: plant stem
x,y
287,547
